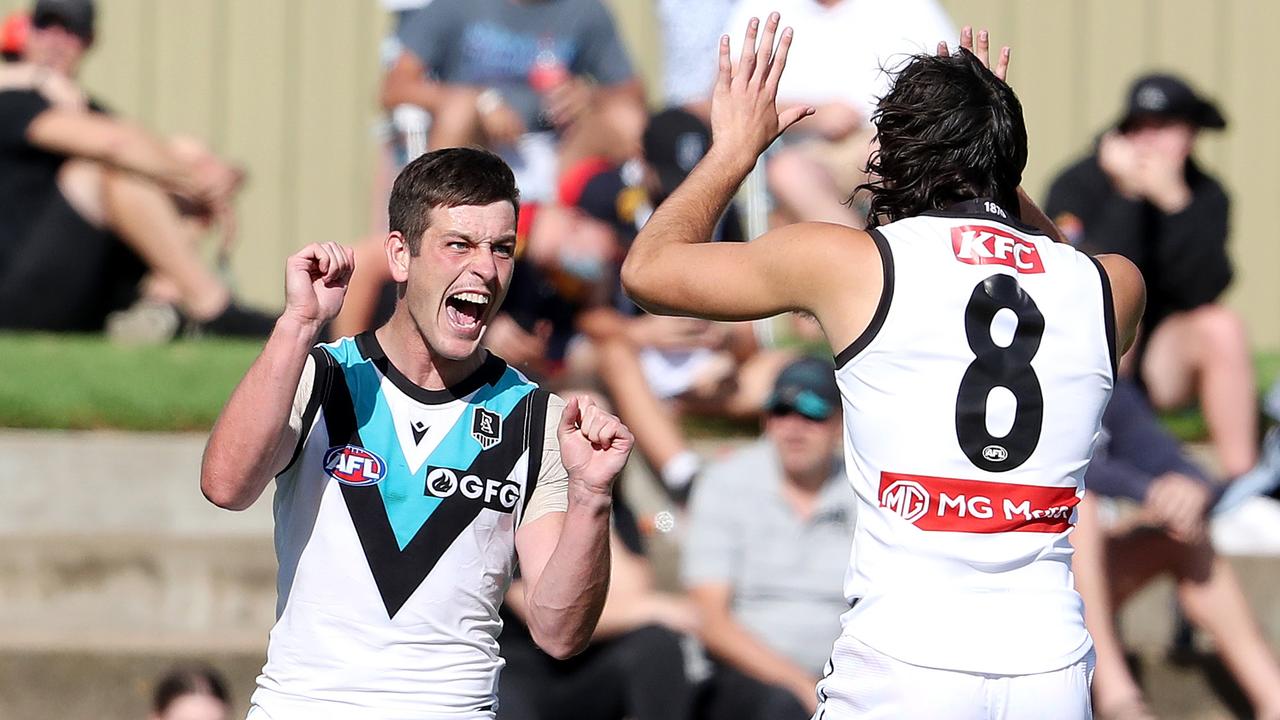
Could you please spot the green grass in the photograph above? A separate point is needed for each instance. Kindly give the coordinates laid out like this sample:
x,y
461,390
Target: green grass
x,y
88,382
82,382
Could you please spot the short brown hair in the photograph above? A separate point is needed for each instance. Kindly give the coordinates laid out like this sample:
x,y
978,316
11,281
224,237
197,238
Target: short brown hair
x,y
450,177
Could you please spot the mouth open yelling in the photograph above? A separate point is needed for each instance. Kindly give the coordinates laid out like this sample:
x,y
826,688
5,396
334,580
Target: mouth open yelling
x,y
466,311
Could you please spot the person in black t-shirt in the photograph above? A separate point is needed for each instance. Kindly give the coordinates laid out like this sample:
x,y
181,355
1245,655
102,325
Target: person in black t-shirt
x,y
1142,195
89,203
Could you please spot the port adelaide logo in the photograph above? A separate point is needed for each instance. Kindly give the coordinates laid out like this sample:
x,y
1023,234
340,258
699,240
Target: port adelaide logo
x,y
354,465
486,427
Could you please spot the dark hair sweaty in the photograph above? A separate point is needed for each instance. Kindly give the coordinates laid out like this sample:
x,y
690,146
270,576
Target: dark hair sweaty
x,y
949,130
450,177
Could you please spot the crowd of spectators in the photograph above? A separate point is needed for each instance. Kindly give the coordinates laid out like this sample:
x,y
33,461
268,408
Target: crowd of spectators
x,y
98,215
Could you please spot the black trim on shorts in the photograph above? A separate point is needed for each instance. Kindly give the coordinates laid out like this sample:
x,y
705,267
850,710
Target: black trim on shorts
x,y
1109,315
489,372
882,308
325,368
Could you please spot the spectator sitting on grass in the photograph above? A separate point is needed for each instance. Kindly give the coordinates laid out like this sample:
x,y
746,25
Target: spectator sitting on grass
x,y
1140,461
90,204
1141,194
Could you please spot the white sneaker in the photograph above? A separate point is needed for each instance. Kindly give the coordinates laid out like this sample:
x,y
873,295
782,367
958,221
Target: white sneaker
x,y
1260,480
1250,528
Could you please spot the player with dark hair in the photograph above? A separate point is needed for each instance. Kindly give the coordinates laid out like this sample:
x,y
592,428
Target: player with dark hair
x,y
974,359
412,467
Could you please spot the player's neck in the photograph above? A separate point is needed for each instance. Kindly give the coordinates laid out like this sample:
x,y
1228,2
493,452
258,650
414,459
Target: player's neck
x,y
409,352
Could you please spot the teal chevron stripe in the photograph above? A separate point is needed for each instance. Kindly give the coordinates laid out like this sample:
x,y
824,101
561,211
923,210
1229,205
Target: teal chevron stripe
x,y
408,507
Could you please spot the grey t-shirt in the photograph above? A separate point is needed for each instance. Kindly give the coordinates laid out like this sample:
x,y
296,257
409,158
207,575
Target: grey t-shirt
x,y
786,572
511,45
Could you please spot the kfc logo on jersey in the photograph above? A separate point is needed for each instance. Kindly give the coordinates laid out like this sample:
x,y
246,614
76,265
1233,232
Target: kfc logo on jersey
x,y
973,506
354,465
499,495
986,245
486,428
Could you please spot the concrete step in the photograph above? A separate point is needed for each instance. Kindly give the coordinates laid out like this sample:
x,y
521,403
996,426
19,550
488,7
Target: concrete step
x,y
136,593
81,685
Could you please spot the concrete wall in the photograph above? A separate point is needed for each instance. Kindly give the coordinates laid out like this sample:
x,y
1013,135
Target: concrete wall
x,y
112,566
289,88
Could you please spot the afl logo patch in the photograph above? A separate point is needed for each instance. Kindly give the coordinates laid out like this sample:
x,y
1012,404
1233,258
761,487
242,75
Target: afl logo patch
x,y
486,428
354,465
995,453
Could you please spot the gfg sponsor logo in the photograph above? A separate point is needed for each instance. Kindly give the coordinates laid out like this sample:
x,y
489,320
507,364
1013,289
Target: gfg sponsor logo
x,y
499,495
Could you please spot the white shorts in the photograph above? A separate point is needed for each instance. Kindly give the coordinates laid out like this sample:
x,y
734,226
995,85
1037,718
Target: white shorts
x,y
864,683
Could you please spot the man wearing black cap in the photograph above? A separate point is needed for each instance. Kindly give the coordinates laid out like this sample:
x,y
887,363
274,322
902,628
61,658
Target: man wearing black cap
x,y
60,51
1142,195
769,533
90,204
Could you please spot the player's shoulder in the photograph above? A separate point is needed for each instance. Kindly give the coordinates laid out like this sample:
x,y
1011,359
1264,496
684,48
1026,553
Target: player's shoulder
x,y
1123,275
344,351
830,244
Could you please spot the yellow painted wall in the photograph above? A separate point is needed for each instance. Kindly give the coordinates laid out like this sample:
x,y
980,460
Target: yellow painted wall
x,y
288,87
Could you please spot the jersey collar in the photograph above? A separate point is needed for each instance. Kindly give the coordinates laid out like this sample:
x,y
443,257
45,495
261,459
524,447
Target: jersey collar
x,y
987,209
489,372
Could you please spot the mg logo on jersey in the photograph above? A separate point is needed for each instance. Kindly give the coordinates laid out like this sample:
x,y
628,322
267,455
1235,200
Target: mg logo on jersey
x,y
499,495
973,506
486,427
907,498
354,465
986,245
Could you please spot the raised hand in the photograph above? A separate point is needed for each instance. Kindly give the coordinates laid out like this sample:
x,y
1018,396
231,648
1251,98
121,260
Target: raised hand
x,y
315,282
744,111
594,446
982,50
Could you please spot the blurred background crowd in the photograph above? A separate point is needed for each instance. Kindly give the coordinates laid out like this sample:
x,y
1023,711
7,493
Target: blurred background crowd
x,y
152,198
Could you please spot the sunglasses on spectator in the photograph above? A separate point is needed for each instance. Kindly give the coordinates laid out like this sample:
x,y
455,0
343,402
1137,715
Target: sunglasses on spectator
x,y
808,407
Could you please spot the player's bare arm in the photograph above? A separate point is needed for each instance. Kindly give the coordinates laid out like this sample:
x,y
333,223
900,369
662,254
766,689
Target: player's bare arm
x,y
1128,295
816,267
252,440
564,557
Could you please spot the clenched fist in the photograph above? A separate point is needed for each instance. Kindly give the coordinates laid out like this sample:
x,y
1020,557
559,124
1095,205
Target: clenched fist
x,y
594,445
